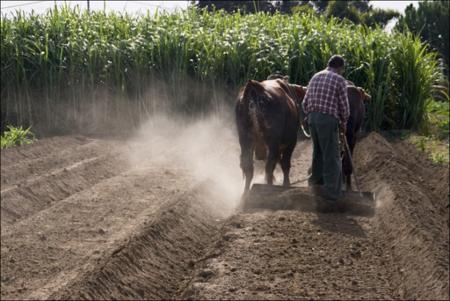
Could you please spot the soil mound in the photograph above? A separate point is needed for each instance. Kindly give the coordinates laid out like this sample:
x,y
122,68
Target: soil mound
x,y
412,214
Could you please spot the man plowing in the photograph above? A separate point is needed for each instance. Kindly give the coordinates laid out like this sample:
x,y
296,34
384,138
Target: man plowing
x,y
327,109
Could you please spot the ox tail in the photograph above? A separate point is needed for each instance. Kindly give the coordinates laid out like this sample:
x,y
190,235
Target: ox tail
x,y
252,94
256,111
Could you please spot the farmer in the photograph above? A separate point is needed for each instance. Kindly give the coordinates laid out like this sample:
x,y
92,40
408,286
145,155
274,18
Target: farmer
x,y
327,109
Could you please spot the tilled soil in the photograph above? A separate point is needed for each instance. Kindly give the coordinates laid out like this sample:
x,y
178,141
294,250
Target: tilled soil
x,y
290,254
80,220
412,219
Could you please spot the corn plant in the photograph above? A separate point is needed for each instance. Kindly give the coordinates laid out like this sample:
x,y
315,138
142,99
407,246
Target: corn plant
x,y
54,66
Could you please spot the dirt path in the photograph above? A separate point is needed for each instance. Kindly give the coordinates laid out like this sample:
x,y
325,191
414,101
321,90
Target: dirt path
x,y
87,218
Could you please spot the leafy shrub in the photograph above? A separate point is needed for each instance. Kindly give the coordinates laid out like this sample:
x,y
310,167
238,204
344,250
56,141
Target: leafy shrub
x,y
16,136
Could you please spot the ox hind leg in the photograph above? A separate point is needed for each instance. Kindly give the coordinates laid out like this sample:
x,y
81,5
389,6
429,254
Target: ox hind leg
x,y
272,160
247,165
348,177
285,163
348,182
346,172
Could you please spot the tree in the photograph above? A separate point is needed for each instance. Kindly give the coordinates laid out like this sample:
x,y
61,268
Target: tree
x,y
430,21
343,9
362,5
288,6
233,6
360,12
356,11
320,5
378,16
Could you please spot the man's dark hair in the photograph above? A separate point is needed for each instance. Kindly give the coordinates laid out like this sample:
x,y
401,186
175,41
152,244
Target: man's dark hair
x,y
336,61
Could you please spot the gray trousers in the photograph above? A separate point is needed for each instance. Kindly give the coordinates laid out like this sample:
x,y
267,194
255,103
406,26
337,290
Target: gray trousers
x,y
326,164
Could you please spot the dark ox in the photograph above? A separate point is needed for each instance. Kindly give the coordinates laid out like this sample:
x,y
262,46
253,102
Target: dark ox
x,y
267,119
356,98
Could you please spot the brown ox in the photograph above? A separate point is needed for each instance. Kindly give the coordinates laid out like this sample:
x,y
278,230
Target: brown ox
x,y
267,120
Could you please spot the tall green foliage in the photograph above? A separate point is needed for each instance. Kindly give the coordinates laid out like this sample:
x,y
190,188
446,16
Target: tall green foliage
x,y
430,21
63,57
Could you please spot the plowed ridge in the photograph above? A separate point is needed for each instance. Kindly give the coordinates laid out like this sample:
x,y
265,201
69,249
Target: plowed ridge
x,y
80,220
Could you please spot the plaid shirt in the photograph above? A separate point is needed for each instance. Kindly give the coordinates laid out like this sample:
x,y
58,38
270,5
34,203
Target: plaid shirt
x,y
327,94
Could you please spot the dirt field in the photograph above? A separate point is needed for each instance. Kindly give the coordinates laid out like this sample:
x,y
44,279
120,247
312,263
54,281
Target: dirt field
x,y
153,217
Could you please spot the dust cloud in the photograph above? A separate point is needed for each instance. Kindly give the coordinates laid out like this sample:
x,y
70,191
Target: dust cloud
x,y
206,149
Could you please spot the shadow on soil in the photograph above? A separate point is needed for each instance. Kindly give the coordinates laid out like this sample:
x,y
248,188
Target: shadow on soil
x,y
339,223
